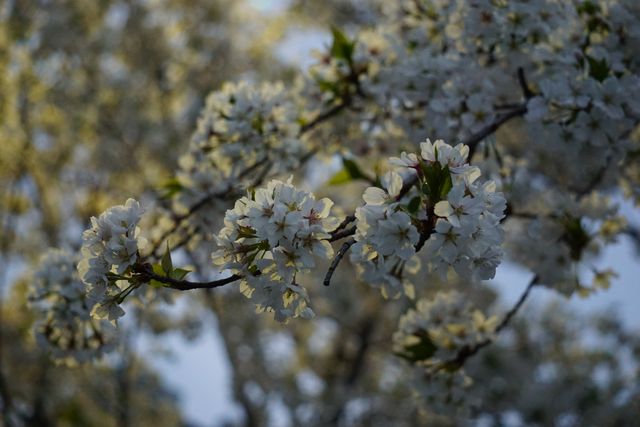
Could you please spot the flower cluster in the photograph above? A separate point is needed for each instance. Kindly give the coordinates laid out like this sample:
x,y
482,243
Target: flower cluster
x,y
564,239
443,392
443,207
437,329
580,59
432,335
589,117
66,327
109,249
467,233
271,236
385,238
242,130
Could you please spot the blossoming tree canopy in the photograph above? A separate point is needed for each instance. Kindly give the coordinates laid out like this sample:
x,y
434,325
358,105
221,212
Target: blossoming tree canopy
x,y
473,131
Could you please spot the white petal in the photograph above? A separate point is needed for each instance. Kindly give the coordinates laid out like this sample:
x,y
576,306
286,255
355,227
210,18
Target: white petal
x,y
374,196
443,209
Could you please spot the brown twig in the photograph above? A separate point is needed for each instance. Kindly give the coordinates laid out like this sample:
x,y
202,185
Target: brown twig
x,y
491,128
523,297
517,111
467,351
325,115
146,274
347,220
341,234
178,219
334,264
524,86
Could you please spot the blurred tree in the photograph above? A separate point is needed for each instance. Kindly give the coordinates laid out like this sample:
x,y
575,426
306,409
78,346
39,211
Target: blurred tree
x,y
96,98
553,367
38,392
99,101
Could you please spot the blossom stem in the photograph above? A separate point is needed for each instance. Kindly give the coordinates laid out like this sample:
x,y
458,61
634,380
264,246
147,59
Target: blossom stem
x,y
186,285
341,234
517,111
526,90
477,137
334,264
178,219
468,351
336,109
507,318
348,219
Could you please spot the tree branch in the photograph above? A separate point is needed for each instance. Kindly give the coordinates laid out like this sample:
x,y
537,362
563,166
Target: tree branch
x,y
334,264
523,297
341,234
517,111
333,111
357,364
467,351
348,219
524,86
178,219
146,274
477,137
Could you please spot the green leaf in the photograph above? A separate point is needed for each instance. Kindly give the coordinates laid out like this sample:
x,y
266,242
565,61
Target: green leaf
x,y
588,7
576,237
423,350
350,172
414,205
179,273
342,177
167,264
599,70
171,188
157,269
342,47
353,169
447,183
327,86
438,182
156,284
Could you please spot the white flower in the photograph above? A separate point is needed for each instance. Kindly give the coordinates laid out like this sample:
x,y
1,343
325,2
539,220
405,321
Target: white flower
x,y
60,297
392,183
453,157
448,322
405,160
271,237
447,241
536,109
484,265
594,127
110,246
385,237
462,231
108,309
244,130
611,98
480,113
458,206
